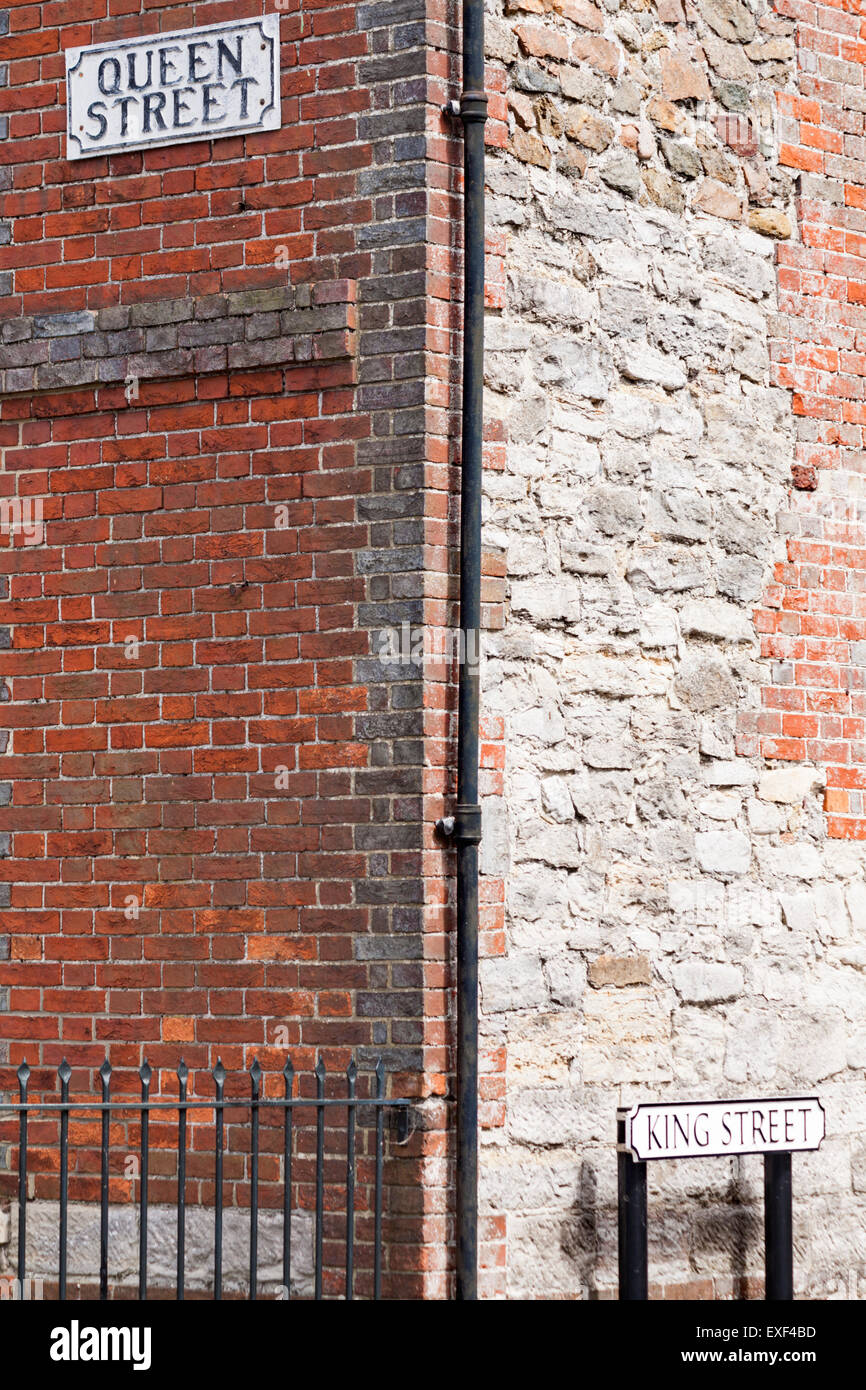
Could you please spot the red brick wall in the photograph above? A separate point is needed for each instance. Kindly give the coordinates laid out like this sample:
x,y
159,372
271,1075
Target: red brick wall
x,y
814,618
213,375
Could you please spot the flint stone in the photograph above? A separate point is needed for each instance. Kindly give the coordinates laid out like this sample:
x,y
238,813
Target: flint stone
x,y
621,171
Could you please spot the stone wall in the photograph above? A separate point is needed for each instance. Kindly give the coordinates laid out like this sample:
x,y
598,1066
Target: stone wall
x,y
678,920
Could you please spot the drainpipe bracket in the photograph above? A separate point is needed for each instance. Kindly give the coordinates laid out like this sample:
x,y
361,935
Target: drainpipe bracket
x,y
464,827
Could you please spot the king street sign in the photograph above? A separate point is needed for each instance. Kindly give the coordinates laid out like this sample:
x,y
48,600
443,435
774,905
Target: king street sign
x,y
167,89
701,1129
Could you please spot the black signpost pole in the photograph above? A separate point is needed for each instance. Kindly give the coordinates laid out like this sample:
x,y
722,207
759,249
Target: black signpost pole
x,y
778,1228
633,1281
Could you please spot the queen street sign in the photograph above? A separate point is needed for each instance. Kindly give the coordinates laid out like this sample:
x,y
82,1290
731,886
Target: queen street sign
x,y
168,89
701,1129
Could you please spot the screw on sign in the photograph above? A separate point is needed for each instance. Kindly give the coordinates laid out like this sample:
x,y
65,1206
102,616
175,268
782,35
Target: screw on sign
x,y
775,1127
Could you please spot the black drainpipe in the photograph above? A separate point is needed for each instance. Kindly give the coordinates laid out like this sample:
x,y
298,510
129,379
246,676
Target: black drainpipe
x,y
465,827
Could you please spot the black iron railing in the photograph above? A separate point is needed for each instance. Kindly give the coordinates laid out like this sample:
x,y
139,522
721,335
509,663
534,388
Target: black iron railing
x,y
362,1112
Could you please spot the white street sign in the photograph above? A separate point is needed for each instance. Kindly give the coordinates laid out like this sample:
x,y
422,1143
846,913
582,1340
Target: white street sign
x,y
168,89
701,1129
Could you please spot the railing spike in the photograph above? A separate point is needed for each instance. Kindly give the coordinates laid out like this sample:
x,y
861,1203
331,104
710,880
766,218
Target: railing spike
x,y
105,1072
182,1072
289,1074
256,1072
64,1071
321,1069
219,1073
23,1074
145,1071
352,1070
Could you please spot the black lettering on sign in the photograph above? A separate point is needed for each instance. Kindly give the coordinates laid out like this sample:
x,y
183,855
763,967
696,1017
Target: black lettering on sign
x,y
235,60
147,74
704,1119
243,83
210,101
195,60
109,65
166,63
652,1137
153,105
124,103
96,115
726,1127
181,105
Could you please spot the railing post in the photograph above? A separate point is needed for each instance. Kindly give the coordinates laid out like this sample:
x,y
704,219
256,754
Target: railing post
x,y
105,1078
256,1084
64,1071
182,1075
23,1079
146,1073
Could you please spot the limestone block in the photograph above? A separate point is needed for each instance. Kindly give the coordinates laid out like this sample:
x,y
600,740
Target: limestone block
x,y
628,1036
791,784
544,1048
640,362
547,1116
731,19
753,1038
723,851
494,850
577,369
791,861
556,799
566,978
515,981
619,971
715,619
556,845
704,683
699,1048
813,1045
707,982
735,773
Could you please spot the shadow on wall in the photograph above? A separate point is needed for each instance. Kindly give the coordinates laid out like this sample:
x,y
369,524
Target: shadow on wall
x,y
721,1240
